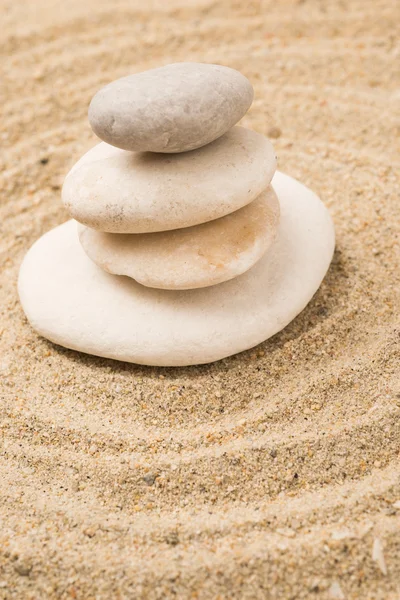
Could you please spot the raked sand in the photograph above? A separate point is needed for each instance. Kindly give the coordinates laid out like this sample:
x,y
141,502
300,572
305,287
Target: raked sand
x,y
270,475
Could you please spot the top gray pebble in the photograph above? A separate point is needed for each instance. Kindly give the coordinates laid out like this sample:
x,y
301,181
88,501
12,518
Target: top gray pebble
x,y
175,108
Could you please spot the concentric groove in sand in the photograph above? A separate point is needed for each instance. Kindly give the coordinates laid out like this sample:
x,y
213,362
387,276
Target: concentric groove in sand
x,y
275,408
150,525
117,19
273,415
96,51
238,463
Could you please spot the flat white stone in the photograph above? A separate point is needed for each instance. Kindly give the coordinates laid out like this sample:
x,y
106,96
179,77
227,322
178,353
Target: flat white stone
x,y
135,192
192,257
174,108
74,303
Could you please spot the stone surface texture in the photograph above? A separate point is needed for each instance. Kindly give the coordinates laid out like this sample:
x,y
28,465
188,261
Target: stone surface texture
x,y
192,257
73,302
134,192
174,108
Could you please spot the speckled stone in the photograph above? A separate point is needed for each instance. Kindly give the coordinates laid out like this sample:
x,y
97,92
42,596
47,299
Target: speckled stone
x,y
73,302
192,257
134,192
175,108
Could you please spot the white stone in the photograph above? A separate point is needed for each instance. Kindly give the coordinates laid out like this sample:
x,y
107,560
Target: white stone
x,y
135,192
175,108
74,303
192,257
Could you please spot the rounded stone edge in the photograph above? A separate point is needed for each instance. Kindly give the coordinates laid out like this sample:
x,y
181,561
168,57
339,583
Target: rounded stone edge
x,y
257,250
109,225
104,134
182,362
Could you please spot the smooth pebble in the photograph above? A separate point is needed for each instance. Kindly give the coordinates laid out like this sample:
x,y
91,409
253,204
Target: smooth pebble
x,y
140,192
74,303
192,257
174,108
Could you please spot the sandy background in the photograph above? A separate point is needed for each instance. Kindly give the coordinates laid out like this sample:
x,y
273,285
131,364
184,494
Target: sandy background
x,y
273,474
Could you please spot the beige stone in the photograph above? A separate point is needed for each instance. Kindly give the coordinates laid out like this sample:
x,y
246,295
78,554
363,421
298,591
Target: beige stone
x,y
73,302
192,257
174,108
133,192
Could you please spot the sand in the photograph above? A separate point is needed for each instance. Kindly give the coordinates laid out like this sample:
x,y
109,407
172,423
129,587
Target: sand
x,y
272,474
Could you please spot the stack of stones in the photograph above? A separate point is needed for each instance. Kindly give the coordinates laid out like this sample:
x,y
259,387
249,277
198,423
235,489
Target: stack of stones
x,y
190,247
176,196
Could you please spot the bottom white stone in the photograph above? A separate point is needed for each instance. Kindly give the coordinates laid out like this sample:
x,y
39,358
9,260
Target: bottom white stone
x,y
74,303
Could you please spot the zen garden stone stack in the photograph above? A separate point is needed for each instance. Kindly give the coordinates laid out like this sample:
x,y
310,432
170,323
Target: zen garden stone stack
x,y
189,247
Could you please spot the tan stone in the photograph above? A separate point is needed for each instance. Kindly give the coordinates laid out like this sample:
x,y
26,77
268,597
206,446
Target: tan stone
x,y
72,302
192,257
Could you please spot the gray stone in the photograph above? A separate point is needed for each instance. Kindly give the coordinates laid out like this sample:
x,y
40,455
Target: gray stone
x,y
175,108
